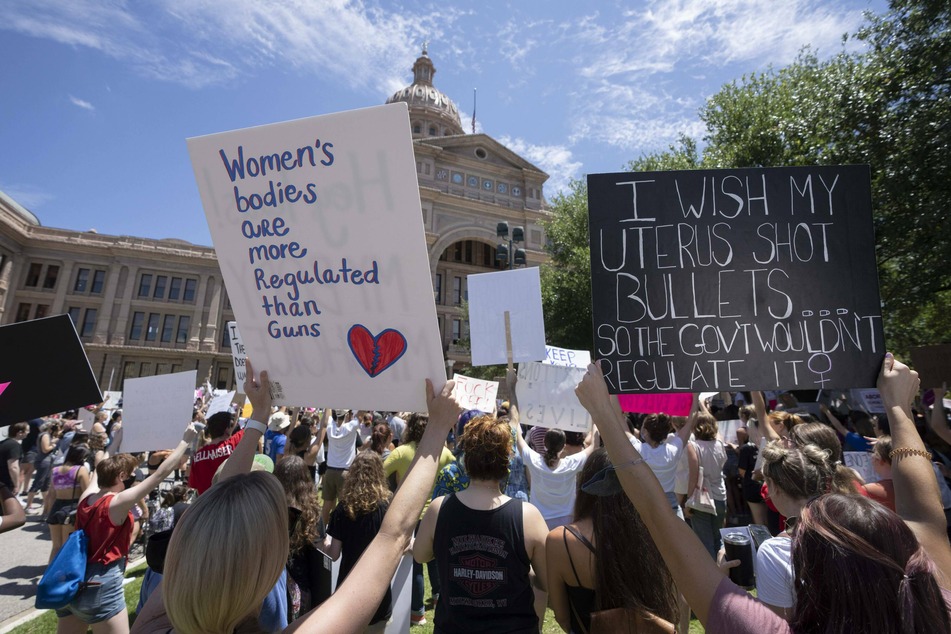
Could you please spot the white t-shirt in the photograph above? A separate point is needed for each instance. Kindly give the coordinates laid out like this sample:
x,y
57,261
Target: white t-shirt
x,y
342,444
682,477
774,572
663,459
553,491
397,426
712,459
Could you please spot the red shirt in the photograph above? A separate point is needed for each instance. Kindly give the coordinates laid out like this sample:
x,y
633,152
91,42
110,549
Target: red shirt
x,y
207,460
107,542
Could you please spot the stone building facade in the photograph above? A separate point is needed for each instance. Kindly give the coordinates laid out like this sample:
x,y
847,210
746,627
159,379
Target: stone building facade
x,y
144,307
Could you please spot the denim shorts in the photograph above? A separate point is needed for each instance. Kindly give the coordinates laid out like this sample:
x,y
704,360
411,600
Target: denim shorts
x,y
102,597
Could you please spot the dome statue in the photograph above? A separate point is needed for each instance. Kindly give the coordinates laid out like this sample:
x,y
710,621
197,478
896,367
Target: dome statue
x,y
431,112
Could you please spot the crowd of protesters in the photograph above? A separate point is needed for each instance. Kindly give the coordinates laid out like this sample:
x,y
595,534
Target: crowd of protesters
x,y
619,528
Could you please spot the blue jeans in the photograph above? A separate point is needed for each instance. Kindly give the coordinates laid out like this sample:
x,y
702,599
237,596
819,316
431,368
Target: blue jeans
x,y
707,527
102,598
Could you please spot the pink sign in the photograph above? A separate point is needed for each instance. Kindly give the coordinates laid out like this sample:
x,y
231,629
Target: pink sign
x,y
674,403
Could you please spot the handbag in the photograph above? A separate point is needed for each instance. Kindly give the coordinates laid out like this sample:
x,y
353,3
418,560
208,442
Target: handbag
x,y
64,577
700,500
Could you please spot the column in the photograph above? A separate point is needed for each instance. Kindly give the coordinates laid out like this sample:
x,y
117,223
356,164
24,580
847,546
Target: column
x,y
194,341
5,275
62,285
121,330
108,305
210,342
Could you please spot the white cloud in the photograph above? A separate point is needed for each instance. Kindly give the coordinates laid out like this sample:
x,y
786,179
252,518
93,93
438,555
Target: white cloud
x,y
201,42
81,103
556,160
28,196
637,74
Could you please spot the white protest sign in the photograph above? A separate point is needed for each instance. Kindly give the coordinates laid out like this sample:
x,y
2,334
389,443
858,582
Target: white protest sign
x,y
570,358
475,393
156,410
86,418
319,236
491,295
861,461
726,430
220,402
546,396
872,400
112,399
238,353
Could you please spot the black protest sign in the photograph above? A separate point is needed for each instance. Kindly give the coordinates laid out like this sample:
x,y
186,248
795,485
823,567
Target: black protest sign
x,y
933,364
43,370
735,279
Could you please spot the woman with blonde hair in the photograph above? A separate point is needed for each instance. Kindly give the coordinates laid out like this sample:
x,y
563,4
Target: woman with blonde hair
x,y
356,521
244,518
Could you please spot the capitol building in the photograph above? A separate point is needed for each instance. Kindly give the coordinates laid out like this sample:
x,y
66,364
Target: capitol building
x,y
144,307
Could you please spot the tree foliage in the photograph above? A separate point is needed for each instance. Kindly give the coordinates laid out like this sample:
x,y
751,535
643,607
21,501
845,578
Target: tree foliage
x,y
887,106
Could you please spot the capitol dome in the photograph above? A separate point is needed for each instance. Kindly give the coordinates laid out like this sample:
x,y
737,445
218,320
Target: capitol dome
x,y
431,112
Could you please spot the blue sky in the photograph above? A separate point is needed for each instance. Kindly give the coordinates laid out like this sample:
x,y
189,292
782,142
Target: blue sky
x,y
98,96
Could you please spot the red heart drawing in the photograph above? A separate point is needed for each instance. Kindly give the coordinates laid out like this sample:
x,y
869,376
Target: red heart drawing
x,y
375,354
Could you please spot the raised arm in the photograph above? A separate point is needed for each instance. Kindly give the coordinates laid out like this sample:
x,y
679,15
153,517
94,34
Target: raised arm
x,y
352,606
694,571
917,498
938,419
759,404
685,431
123,502
833,420
258,391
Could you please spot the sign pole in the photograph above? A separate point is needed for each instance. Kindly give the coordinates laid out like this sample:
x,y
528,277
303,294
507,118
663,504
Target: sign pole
x,y
508,340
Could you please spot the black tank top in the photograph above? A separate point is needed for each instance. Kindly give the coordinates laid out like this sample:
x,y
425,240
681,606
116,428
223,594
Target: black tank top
x,y
483,567
581,600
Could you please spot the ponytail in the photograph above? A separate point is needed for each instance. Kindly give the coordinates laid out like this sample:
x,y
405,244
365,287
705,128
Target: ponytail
x,y
554,443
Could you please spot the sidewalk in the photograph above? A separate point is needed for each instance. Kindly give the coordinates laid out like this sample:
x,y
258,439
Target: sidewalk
x,y
23,556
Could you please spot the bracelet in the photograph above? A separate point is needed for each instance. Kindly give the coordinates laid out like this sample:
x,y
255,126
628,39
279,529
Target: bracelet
x,y
903,452
630,463
256,425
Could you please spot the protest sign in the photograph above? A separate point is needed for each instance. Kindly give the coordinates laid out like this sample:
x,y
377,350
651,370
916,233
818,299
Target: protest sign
x,y
726,430
220,402
238,354
675,404
475,393
872,401
735,279
156,410
546,396
112,400
517,292
319,236
43,370
569,358
933,364
861,461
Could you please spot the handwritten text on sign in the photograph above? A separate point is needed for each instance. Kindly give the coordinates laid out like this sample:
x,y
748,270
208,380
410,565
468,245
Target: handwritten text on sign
x,y
546,396
318,233
735,279
475,393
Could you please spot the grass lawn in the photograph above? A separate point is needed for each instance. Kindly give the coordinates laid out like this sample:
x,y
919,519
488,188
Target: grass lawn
x,y
46,624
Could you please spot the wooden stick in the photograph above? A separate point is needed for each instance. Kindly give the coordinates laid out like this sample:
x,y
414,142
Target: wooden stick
x,y
508,340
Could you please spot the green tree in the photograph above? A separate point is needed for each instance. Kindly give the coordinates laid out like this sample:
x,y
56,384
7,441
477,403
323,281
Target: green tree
x,y
888,107
566,278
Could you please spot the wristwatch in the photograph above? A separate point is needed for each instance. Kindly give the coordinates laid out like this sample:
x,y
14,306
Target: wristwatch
x,y
256,425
